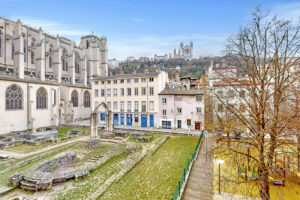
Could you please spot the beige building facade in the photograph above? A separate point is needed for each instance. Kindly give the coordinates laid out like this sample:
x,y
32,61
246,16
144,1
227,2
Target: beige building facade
x,y
132,98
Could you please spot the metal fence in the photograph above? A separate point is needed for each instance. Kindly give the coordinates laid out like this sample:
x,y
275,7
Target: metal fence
x,y
179,189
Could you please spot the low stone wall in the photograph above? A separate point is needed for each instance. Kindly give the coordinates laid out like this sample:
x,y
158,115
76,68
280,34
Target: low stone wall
x,y
44,175
41,176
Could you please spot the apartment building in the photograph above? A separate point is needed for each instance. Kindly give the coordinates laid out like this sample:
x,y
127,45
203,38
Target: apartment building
x,y
132,98
182,106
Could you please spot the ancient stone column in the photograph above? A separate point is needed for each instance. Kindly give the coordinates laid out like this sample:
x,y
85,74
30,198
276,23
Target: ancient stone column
x,y
94,122
109,125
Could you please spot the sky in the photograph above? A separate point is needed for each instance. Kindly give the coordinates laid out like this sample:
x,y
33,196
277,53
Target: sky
x,y
145,27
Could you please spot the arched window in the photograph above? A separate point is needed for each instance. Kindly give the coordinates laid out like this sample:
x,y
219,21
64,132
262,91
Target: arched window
x,y
32,57
74,99
77,61
13,98
12,51
77,67
24,49
63,64
87,99
33,42
41,98
63,60
50,62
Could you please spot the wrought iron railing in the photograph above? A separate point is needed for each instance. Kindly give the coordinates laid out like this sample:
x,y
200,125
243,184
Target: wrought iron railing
x,y
180,187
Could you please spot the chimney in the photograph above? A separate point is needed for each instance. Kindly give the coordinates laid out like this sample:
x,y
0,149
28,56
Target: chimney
x,y
177,76
223,62
212,63
203,82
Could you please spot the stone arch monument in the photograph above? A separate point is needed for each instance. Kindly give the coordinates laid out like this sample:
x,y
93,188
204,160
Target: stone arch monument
x,y
94,120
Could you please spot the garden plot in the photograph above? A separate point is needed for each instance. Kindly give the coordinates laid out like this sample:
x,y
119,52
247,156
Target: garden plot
x,y
233,183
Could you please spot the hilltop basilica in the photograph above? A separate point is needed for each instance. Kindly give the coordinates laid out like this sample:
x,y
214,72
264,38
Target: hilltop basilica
x,y
46,80
185,52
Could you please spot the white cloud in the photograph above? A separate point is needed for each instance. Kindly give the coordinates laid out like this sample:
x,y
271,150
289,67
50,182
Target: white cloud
x,y
53,28
204,45
290,11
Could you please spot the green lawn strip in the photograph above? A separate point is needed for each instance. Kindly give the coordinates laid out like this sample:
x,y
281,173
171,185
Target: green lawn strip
x,y
81,189
157,175
62,131
27,148
154,136
4,176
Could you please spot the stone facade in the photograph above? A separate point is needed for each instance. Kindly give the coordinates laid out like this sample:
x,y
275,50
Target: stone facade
x,y
185,52
33,62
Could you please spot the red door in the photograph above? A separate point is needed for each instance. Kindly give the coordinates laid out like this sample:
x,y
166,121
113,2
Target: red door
x,y
197,125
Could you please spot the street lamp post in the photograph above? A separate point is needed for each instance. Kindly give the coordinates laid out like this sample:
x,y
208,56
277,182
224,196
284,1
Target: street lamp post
x,y
219,162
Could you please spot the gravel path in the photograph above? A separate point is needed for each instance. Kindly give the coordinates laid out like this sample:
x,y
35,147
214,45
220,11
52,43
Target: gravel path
x,y
79,139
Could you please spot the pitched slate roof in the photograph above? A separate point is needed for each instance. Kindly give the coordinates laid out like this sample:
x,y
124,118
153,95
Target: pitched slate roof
x,y
120,76
168,91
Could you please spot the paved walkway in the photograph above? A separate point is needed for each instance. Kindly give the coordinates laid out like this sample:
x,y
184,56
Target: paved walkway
x,y
200,183
168,131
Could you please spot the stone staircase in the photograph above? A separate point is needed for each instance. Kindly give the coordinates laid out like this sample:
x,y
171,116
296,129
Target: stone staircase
x,y
110,151
200,183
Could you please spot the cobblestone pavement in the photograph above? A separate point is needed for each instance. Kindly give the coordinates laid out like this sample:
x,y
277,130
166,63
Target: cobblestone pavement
x,y
200,183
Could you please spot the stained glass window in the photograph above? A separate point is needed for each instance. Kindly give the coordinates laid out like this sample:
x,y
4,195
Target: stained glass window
x,y
14,98
41,98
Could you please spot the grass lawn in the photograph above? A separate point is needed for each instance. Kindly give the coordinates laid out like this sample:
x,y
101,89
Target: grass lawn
x,y
157,175
154,136
62,131
231,182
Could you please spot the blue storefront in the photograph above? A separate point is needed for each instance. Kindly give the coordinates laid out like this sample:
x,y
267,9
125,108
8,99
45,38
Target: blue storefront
x,y
143,120
116,119
102,116
122,119
152,121
129,119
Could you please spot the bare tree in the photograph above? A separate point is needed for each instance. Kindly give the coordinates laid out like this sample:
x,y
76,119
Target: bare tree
x,y
267,54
